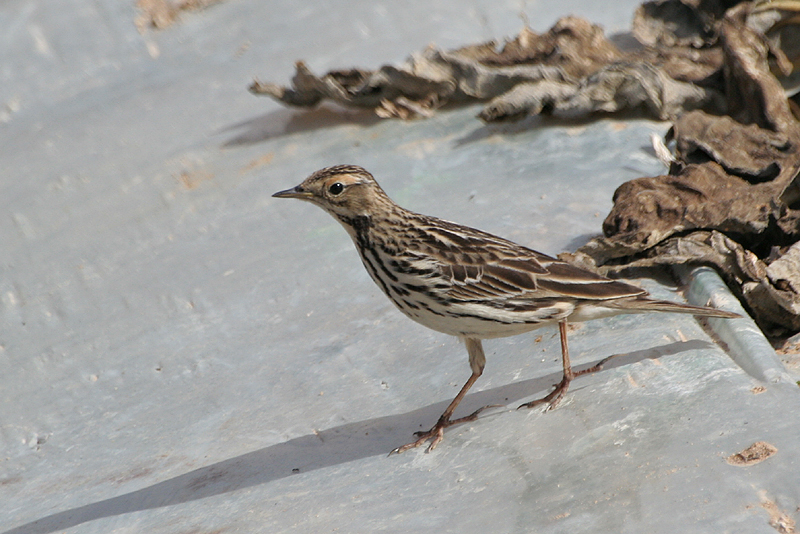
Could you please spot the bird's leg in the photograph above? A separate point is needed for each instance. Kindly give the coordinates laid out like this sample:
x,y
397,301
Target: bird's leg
x,y
554,397
477,361
436,434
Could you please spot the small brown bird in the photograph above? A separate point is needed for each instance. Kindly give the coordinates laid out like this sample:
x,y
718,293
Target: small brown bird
x,y
468,283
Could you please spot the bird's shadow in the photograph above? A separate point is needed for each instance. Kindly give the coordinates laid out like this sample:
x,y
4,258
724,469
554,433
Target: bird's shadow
x,y
338,445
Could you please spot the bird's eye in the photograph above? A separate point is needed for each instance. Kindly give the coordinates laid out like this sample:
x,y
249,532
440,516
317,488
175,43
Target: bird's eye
x,y
336,189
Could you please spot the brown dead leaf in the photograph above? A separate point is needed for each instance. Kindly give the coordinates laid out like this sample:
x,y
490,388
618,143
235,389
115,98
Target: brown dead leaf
x,y
754,454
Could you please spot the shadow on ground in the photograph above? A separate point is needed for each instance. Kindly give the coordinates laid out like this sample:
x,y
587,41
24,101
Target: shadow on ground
x,y
291,121
338,445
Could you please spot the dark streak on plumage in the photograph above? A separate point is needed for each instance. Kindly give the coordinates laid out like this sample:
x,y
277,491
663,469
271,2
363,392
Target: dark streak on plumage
x,y
374,274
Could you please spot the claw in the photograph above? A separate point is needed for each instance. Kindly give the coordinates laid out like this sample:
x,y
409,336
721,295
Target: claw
x,y
552,399
436,434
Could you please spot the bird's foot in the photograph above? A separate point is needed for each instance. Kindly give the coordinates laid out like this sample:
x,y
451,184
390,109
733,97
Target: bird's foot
x,y
554,397
551,399
436,434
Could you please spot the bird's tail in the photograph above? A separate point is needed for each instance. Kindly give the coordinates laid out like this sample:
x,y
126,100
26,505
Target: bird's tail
x,y
644,304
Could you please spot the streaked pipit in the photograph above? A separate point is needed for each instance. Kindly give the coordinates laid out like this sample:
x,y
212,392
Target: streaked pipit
x,y
468,283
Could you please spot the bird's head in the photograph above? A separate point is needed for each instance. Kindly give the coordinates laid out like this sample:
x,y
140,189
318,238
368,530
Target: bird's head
x,y
344,191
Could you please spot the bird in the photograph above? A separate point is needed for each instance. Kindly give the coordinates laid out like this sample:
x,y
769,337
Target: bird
x,y
468,283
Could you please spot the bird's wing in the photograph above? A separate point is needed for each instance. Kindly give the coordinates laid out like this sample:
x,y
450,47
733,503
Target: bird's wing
x,y
481,266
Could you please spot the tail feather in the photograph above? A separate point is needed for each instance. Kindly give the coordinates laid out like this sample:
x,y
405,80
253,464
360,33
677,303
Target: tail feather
x,y
644,304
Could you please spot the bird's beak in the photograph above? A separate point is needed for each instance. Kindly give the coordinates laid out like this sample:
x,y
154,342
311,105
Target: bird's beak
x,y
295,192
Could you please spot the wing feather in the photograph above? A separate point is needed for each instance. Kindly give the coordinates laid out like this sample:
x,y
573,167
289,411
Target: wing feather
x,y
485,267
